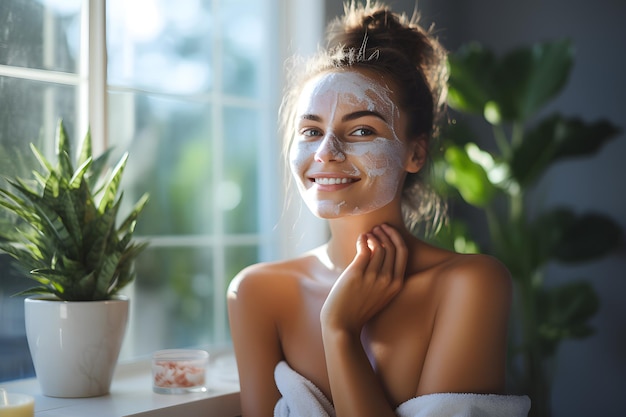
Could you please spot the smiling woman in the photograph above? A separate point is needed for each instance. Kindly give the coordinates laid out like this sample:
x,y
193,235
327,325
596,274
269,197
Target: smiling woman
x,y
375,322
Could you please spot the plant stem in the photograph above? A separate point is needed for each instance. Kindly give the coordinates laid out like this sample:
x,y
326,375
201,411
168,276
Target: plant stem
x,y
501,141
517,134
516,202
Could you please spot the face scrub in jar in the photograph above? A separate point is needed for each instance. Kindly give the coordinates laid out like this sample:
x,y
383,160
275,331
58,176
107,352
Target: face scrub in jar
x,y
178,371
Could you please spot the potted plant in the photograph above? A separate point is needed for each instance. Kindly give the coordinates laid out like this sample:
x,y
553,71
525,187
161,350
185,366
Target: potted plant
x,y
495,173
66,238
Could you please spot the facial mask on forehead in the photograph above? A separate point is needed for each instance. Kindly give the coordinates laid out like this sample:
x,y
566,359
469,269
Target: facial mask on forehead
x,y
356,89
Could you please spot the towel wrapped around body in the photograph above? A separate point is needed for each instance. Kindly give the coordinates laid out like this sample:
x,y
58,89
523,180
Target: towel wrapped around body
x,y
301,398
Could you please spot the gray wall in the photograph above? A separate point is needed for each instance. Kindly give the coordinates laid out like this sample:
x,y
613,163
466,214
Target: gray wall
x,y
591,374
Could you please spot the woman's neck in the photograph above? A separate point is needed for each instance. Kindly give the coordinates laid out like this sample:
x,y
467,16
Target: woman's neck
x,y
344,231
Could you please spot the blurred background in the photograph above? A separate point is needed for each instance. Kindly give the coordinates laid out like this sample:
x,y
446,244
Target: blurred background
x,y
191,89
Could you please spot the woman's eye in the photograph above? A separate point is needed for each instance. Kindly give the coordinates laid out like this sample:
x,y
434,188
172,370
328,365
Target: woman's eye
x,y
311,132
363,131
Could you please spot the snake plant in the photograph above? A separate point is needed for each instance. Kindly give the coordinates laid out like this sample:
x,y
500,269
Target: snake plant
x,y
65,235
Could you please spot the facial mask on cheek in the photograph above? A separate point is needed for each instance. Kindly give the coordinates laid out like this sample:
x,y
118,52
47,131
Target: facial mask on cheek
x,y
382,163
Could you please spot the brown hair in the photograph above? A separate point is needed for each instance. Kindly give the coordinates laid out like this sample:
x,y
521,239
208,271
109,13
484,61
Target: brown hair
x,y
371,37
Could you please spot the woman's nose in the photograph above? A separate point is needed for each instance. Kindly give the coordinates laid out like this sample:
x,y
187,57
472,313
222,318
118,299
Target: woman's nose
x,y
330,150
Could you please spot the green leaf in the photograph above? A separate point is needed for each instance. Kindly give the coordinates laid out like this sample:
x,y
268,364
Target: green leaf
x,y
42,216
39,290
470,84
564,312
107,275
591,236
84,288
512,88
98,233
112,185
51,278
125,272
86,150
527,78
556,138
455,236
64,153
548,233
468,177
128,223
19,208
42,159
97,170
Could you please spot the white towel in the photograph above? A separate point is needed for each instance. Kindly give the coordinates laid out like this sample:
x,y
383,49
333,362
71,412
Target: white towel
x,y
301,398
465,405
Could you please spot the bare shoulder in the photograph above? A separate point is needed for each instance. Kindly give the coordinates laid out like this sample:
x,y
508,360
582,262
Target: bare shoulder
x,y
264,280
476,275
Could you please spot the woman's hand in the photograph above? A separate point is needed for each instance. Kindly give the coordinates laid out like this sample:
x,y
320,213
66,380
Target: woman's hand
x,y
369,283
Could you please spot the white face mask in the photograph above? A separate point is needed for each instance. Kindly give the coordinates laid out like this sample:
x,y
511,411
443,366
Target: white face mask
x,y
346,155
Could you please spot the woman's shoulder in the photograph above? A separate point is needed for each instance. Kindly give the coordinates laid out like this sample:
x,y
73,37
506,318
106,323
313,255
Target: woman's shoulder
x,y
474,279
265,279
473,274
474,266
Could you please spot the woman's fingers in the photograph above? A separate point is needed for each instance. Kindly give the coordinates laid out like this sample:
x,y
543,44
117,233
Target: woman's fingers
x,y
401,251
363,254
387,269
378,255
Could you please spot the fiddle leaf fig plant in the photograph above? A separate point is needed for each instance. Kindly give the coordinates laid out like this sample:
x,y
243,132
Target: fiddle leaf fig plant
x,y
66,237
494,172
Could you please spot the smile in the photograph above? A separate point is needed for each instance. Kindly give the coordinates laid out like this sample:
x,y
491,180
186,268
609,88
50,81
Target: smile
x,y
333,181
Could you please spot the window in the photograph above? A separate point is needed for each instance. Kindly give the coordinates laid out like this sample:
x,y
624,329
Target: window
x,y
191,94
191,90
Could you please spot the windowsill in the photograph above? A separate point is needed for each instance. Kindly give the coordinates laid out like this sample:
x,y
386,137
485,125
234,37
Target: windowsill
x,y
131,395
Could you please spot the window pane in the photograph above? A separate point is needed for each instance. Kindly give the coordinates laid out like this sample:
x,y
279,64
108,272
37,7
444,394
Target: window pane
x,y
15,359
189,100
160,46
237,258
42,34
175,299
245,46
171,157
30,114
239,198
175,302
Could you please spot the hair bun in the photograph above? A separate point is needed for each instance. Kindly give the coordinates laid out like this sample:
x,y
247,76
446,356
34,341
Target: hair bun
x,y
380,28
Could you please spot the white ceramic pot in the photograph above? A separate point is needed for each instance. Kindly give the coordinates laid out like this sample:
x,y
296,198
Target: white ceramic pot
x,y
75,345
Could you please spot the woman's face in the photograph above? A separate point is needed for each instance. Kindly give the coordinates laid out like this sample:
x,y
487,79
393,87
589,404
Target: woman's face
x,y
348,154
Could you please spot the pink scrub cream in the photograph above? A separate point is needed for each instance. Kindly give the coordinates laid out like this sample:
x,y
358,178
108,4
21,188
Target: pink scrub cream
x,y
177,371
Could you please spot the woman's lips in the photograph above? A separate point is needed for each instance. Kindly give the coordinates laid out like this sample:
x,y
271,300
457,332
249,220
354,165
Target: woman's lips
x,y
332,181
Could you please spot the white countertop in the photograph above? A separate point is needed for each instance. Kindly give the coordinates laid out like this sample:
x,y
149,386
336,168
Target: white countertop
x,y
131,395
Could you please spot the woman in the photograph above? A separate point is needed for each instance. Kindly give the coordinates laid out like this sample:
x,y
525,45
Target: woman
x,y
375,320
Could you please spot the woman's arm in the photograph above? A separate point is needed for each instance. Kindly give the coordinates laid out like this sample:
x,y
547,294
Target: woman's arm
x,y
370,282
255,340
467,351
